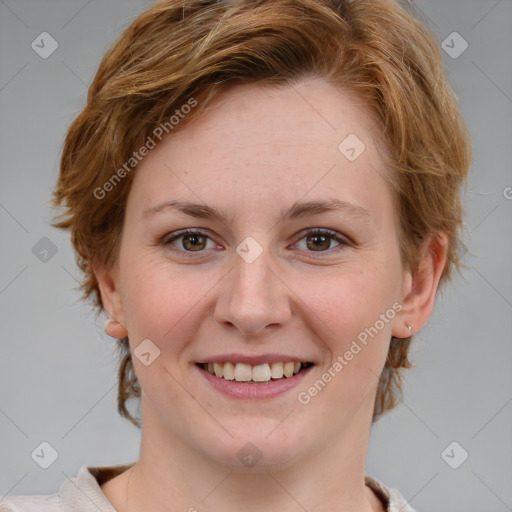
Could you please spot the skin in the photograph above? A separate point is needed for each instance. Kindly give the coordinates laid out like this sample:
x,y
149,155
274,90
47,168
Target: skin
x,y
255,152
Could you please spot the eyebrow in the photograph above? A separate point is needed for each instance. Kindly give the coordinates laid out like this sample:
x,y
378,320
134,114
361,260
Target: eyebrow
x,y
298,210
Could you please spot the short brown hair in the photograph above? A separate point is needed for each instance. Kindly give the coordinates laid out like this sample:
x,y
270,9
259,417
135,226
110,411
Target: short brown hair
x,y
182,49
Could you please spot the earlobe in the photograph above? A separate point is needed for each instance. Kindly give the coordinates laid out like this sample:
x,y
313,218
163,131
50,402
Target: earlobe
x,y
114,329
420,288
111,300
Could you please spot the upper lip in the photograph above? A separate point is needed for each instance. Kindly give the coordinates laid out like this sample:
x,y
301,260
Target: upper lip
x,y
254,360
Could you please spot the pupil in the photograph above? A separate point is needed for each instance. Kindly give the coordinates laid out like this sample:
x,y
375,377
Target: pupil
x,y
195,242
317,244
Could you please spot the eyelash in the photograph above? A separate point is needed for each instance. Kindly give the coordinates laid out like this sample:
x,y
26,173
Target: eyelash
x,y
168,239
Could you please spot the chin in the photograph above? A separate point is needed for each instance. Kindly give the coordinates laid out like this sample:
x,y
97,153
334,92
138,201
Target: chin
x,y
255,450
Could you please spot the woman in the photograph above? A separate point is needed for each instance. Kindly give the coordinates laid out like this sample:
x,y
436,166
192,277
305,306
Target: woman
x,y
263,201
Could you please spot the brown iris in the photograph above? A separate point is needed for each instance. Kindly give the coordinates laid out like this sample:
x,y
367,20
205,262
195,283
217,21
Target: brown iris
x,y
321,242
197,240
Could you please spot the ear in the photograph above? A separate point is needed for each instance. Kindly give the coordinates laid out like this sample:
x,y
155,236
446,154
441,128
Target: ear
x,y
420,288
111,299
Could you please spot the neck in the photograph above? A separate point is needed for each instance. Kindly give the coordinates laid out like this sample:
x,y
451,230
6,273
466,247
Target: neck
x,y
170,476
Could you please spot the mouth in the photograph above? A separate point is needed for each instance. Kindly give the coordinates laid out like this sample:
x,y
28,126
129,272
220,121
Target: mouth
x,y
261,374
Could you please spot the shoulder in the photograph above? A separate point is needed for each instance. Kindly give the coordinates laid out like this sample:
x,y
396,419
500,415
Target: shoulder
x,y
36,503
392,498
77,494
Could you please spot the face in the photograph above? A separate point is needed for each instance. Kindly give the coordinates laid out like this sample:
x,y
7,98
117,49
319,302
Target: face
x,y
272,279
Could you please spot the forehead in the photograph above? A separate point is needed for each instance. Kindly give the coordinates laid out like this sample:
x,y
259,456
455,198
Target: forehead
x,y
311,111
284,143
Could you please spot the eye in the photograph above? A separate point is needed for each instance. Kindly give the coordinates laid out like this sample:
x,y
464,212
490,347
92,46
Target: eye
x,y
191,240
320,240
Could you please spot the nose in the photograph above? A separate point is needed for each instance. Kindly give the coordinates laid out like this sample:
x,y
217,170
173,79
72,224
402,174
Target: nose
x,y
252,298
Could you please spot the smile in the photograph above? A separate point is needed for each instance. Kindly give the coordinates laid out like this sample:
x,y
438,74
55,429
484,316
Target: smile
x,y
257,374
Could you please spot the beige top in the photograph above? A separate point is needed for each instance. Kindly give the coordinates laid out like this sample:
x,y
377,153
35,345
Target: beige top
x,y
83,494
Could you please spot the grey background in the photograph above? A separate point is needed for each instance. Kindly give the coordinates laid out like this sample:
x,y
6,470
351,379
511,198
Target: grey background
x,y
58,368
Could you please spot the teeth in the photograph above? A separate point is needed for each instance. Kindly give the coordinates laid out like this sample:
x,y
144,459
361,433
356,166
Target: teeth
x,y
276,371
288,369
229,371
218,369
261,373
242,372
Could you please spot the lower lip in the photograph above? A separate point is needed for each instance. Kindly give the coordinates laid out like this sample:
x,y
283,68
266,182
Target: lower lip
x,y
246,391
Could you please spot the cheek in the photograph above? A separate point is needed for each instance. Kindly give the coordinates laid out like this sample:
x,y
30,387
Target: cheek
x,y
153,296
347,302
356,313
162,303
